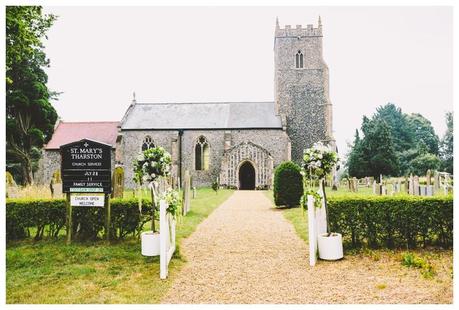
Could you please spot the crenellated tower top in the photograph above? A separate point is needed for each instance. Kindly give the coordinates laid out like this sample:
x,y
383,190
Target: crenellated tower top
x,y
298,31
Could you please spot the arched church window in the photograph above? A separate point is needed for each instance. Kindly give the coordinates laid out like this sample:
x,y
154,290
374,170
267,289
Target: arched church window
x,y
201,154
299,60
147,143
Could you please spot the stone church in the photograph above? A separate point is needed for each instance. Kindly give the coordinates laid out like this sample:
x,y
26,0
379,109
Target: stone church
x,y
238,143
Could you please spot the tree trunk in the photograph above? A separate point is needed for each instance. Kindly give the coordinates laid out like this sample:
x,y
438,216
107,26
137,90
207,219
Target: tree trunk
x,y
27,171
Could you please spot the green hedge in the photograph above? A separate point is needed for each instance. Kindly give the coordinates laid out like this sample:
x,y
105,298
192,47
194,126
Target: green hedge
x,y
288,184
46,217
395,221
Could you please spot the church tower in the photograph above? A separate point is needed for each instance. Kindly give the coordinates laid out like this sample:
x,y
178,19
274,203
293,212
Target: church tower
x,y
301,86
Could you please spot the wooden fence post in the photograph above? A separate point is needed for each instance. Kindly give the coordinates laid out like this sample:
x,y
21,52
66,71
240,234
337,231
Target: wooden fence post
x,y
69,218
107,217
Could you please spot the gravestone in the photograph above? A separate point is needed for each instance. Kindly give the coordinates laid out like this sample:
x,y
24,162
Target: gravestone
x,y
118,182
194,192
55,184
436,181
411,185
374,187
11,186
429,190
406,185
355,184
422,190
428,176
416,186
186,193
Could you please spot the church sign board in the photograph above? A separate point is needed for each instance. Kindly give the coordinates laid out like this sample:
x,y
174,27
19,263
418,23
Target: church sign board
x,y
86,167
86,178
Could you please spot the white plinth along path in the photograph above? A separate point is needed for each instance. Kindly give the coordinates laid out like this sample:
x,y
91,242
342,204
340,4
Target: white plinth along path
x,y
167,239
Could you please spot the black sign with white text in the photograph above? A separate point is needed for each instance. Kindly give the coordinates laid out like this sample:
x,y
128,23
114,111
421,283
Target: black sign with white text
x,y
86,167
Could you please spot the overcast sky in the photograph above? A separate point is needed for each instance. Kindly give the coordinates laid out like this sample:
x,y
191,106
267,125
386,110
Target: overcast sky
x,y
99,56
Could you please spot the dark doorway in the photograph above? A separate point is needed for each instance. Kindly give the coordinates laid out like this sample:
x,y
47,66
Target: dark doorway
x,y
247,176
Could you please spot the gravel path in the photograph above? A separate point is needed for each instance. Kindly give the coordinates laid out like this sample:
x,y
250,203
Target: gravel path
x,y
247,252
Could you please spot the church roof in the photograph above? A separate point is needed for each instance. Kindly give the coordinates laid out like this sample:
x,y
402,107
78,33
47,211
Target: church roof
x,y
208,115
67,132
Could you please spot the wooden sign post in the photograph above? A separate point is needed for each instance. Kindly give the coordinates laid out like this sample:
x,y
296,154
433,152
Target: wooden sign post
x,y
86,178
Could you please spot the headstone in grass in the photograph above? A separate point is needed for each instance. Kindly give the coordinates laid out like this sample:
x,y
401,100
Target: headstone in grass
x,y
436,181
118,182
411,187
421,190
428,177
55,185
11,186
374,187
430,190
416,186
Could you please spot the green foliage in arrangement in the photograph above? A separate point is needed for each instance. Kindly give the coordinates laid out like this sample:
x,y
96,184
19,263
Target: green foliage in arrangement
x,y
288,184
152,164
397,221
48,217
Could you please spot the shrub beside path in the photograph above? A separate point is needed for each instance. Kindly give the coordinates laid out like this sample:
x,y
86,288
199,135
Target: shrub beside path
x,y
247,252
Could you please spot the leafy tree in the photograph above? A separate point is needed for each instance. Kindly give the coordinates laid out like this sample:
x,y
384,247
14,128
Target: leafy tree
x,y
375,153
379,149
356,163
398,125
424,162
446,151
412,136
422,131
30,117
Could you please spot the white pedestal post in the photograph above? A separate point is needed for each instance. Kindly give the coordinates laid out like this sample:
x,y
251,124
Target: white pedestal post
x,y
312,231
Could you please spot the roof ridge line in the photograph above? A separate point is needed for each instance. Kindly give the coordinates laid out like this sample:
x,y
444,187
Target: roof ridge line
x,y
207,102
84,122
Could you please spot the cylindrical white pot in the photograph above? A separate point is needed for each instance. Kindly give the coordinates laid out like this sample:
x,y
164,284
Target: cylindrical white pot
x,y
331,247
150,243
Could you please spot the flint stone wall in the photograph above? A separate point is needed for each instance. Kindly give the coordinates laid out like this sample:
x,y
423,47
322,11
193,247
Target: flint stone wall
x,y
275,141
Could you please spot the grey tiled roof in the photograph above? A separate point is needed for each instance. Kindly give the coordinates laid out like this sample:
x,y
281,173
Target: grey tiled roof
x,y
208,115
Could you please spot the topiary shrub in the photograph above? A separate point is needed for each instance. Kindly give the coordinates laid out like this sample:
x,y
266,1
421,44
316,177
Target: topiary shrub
x,y
288,184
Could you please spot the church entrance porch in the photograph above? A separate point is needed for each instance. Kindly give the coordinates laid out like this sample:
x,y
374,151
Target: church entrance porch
x,y
246,166
246,176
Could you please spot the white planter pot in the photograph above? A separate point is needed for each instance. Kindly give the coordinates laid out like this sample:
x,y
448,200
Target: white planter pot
x,y
150,243
331,247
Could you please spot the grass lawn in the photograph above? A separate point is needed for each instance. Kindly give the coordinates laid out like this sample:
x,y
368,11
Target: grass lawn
x,y
49,271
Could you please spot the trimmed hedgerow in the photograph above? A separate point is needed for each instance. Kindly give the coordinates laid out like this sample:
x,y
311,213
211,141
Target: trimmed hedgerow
x,y
47,217
288,184
395,221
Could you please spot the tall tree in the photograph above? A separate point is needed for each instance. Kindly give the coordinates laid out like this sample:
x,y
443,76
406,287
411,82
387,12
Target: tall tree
x,y
398,125
446,151
378,148
356,162
30,117
423,132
